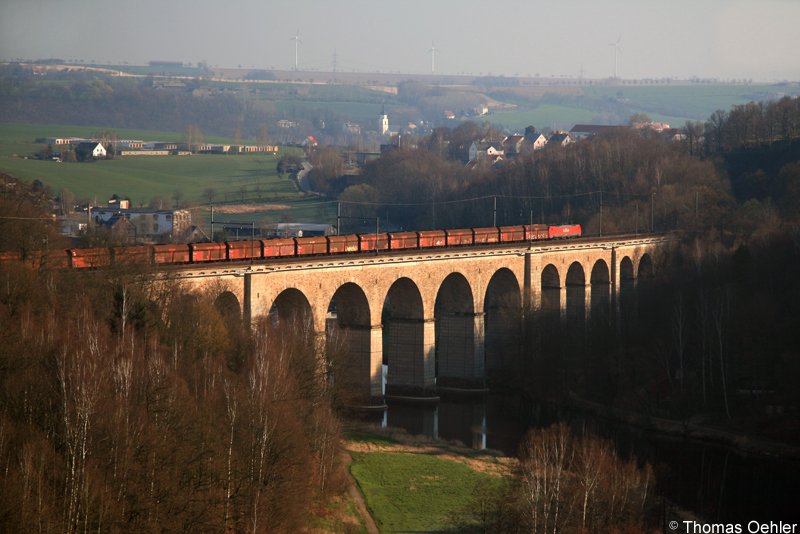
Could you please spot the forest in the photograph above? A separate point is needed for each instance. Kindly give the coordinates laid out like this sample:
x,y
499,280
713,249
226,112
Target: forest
x,y
85,99
628,181
130,406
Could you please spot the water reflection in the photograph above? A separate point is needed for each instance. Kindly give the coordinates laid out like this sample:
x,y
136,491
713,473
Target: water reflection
x,y
479,421
716,483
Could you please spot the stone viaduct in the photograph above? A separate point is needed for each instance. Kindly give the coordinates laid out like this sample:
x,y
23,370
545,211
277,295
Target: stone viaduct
x,y
437,317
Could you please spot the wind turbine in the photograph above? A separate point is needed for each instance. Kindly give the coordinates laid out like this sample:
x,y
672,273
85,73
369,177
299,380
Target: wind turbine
x,y
432,51
616,53
297,41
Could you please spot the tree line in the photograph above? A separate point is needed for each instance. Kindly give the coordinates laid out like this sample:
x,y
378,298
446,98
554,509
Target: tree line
x,y
622,182
751,124
126,103
133,406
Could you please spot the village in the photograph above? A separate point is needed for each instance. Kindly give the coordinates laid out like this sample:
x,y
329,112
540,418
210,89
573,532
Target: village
x,y
91,149
126,223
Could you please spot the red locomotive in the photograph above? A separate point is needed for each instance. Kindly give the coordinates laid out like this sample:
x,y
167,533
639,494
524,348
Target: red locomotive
x,y
91,258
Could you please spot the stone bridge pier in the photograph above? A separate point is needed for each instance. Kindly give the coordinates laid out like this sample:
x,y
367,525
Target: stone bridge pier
x,y
432,318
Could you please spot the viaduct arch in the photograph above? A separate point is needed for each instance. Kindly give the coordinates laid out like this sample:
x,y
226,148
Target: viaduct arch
x,y
436,318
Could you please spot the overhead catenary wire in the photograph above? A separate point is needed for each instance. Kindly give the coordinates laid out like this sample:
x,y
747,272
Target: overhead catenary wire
x,y
473,199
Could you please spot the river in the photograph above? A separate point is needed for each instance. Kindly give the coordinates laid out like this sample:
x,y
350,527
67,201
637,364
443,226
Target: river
x,y
714,482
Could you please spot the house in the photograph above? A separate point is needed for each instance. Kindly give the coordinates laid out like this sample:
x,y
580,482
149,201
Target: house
x,y
561,139
516,144
657,126
89,150
512,145
71,227
484,151
130,144
160,145
61,140
536,141
143,224
675,135
122,228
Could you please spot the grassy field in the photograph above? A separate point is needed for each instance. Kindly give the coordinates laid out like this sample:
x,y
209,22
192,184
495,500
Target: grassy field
x,y
307,209
545,115
412,486
143,178
408,492
250,182
674,104
233,178
690,102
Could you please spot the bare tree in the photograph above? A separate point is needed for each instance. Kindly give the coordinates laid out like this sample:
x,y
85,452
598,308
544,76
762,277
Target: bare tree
x,y
193,137
546,455
230,404
79,373
592,457
678,325
177,197
720,315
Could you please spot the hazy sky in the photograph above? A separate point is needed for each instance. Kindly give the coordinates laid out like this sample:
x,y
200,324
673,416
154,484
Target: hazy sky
x,y
757,39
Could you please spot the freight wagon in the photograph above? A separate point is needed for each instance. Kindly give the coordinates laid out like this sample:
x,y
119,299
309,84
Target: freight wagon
x,y
92,258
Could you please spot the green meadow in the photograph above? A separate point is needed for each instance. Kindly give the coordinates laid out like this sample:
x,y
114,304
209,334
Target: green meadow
x,y
674,104
198,178
554,116
690,102
408,492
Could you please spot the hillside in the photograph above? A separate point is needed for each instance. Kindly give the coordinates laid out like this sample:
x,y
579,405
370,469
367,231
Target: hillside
x,y
226,101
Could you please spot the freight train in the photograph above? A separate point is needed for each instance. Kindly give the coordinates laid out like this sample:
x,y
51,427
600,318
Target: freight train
x,y
265,249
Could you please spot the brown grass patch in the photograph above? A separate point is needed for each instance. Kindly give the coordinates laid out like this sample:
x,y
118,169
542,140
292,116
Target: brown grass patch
x,y
250,208
487,461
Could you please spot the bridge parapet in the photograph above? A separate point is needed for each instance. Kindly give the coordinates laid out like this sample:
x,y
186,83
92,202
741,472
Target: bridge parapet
x,y
489,284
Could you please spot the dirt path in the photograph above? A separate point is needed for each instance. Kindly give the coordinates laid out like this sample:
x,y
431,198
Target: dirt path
x,y
358,498
484,463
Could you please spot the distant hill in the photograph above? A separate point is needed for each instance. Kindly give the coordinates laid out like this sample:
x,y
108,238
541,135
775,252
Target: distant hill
x,y
220,101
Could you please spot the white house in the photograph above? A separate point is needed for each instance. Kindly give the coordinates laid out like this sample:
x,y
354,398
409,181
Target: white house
x,y
90,149
561,139
537,141
480,151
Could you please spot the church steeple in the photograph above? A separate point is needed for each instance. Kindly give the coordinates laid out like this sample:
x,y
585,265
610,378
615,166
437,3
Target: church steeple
x,y
383,121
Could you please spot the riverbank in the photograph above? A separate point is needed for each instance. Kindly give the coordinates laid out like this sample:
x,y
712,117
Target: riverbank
x,y
414,483
689,429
